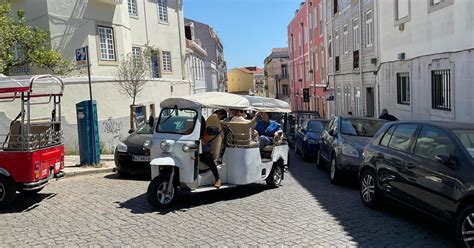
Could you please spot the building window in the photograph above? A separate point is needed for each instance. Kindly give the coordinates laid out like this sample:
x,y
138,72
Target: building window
x,y
330,46
300,47
315,18
155,64
345,41
335,6
355,24
107,44
136,52
163,10
434,5
336,44
355,60
321,64
167,62
132,7
441,89
403,88
284,71
369,29
401,9
285,90
337,64
434,2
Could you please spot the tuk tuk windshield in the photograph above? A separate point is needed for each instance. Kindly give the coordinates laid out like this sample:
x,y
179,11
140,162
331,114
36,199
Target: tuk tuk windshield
x,y
178,121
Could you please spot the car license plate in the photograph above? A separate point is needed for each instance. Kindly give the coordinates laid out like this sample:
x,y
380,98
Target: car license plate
x,y
140,158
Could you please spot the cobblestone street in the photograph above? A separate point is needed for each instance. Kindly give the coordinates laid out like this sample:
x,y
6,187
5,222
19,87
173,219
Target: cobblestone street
x,y
306,210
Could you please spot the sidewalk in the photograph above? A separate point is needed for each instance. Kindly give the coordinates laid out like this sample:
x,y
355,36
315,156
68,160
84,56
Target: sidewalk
x,y
73,168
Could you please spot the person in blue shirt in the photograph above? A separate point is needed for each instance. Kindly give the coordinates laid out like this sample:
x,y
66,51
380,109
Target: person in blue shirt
x,y
267,130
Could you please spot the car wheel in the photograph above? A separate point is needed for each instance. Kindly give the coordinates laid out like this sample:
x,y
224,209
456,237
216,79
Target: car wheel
x,y
157,193
465,227
7,191
369,193
274,179
334,174
319,162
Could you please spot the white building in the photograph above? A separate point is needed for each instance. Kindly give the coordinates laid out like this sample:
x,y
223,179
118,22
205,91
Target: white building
x,y
195,60
426,60
112,29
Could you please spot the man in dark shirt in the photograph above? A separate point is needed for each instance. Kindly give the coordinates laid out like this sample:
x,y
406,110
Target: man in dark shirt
x,y
386,116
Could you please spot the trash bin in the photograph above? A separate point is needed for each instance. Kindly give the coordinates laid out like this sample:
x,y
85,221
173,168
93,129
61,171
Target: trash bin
x,y
88,132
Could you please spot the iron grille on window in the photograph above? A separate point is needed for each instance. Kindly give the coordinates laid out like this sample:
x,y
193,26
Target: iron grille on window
x,y
441,89
284,71
163,10
132,7
167,62
403,88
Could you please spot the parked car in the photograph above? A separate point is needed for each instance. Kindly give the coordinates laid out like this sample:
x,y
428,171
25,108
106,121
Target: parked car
x,y
308,137
295,120
426,165
343,142
131,157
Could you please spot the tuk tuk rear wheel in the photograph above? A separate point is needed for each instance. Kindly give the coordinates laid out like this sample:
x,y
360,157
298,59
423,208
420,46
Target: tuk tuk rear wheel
x,y
157,194
274,179
7,191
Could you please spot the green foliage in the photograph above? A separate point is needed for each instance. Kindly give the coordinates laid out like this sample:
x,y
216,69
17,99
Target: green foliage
x,y
21,45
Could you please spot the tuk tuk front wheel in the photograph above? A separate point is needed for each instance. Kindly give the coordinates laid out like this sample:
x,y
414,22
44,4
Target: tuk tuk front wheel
x,y
158,195
7,191
274,179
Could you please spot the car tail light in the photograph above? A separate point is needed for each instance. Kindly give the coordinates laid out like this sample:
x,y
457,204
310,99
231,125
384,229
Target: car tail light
x,y
37,170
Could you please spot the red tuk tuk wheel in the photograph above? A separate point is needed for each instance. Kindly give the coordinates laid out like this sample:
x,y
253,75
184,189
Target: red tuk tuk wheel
x,y
7,191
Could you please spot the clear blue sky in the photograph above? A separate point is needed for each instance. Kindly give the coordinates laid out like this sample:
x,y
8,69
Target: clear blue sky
x,y
249,29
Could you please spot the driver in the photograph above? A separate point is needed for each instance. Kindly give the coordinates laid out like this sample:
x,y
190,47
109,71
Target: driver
x,y
267,130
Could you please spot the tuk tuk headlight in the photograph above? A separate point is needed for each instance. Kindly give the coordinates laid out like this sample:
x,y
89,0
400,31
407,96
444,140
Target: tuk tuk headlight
x,y
121,147
165,146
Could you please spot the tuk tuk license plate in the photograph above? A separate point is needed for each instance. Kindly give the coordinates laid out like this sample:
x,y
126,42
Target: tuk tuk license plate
x,y
140,158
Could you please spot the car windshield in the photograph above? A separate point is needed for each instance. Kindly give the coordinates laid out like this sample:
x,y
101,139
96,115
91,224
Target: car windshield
x,y
178,121
467,140
144,128
316,126
360,127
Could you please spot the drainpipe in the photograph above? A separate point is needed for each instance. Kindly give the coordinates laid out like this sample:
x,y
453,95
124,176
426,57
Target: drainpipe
x,y
146,22
304,63
360,54
376,47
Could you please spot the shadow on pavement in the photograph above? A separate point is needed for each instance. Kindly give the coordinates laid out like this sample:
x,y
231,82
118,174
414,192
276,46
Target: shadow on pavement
x,y
366,226
186,200
138,177
26,203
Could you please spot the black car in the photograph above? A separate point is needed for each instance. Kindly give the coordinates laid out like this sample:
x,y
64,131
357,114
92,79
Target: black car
x,y
131,157
343,142
426,165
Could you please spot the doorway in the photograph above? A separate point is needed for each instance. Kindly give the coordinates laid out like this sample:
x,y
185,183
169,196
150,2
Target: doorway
x,y
370,100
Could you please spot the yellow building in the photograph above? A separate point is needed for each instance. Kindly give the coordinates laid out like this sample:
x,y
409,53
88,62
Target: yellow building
x,y
246,80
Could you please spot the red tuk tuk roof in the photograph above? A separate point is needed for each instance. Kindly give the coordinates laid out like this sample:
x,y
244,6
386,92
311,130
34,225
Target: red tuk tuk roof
x,y
39,85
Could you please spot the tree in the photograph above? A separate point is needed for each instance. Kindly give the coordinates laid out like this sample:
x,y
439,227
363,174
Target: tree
x,y
21,44
133,72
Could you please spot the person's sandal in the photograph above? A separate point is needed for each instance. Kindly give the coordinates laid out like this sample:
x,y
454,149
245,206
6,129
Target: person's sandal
x,y
217,184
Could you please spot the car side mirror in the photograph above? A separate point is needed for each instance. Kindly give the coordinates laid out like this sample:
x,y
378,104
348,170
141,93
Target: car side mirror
x,y
445,160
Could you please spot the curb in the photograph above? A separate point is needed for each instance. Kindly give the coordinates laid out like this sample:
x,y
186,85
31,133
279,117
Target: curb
x,y
88,172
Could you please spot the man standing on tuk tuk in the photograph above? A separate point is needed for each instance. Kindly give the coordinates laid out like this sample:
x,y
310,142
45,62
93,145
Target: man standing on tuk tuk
x,y
267,130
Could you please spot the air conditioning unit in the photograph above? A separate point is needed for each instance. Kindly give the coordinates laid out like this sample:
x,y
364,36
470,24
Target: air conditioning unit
x,y
401,56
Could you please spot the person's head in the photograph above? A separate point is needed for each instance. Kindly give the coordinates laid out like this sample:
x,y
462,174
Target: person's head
x,y
266,116
221,113
240,113
384,111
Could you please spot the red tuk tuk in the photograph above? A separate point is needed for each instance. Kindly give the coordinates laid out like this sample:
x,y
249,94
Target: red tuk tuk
x,y
31,150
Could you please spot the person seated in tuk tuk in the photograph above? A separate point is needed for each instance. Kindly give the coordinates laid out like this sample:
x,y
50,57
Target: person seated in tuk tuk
x,y
206,156
240,117
267,130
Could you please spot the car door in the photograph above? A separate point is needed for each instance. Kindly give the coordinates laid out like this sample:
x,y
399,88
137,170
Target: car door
x,y
435,183
392,161
300,135
326,139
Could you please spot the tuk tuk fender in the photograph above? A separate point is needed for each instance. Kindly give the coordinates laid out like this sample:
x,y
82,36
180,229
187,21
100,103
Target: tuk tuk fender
x,y
161,162
4,172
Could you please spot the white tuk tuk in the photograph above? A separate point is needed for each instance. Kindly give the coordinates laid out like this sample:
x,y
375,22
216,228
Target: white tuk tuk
x,y
176,146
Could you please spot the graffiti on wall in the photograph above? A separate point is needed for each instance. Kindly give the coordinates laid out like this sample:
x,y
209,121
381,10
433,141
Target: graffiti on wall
x,y
113,128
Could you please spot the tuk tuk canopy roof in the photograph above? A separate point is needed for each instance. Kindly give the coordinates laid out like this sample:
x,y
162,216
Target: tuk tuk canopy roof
x,y
227,101
39,85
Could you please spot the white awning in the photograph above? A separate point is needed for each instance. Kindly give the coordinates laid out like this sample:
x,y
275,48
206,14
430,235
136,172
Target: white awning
x,y
208,100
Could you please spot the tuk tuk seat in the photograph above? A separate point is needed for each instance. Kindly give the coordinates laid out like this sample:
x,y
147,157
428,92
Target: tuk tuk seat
x,y
241,135
40,129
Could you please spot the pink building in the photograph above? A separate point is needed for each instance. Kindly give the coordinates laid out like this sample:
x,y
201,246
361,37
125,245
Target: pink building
x,y
307,58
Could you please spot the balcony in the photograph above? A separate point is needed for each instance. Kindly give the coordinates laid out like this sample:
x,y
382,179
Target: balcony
x,y
113,2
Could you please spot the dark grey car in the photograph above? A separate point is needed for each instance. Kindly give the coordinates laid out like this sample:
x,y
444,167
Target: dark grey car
x,y
343,142
131,157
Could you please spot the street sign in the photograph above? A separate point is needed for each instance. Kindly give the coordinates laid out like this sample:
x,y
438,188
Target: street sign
x,y
81,56
305,95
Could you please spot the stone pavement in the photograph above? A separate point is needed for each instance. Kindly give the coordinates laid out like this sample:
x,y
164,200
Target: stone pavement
x,y
105,210
72,165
